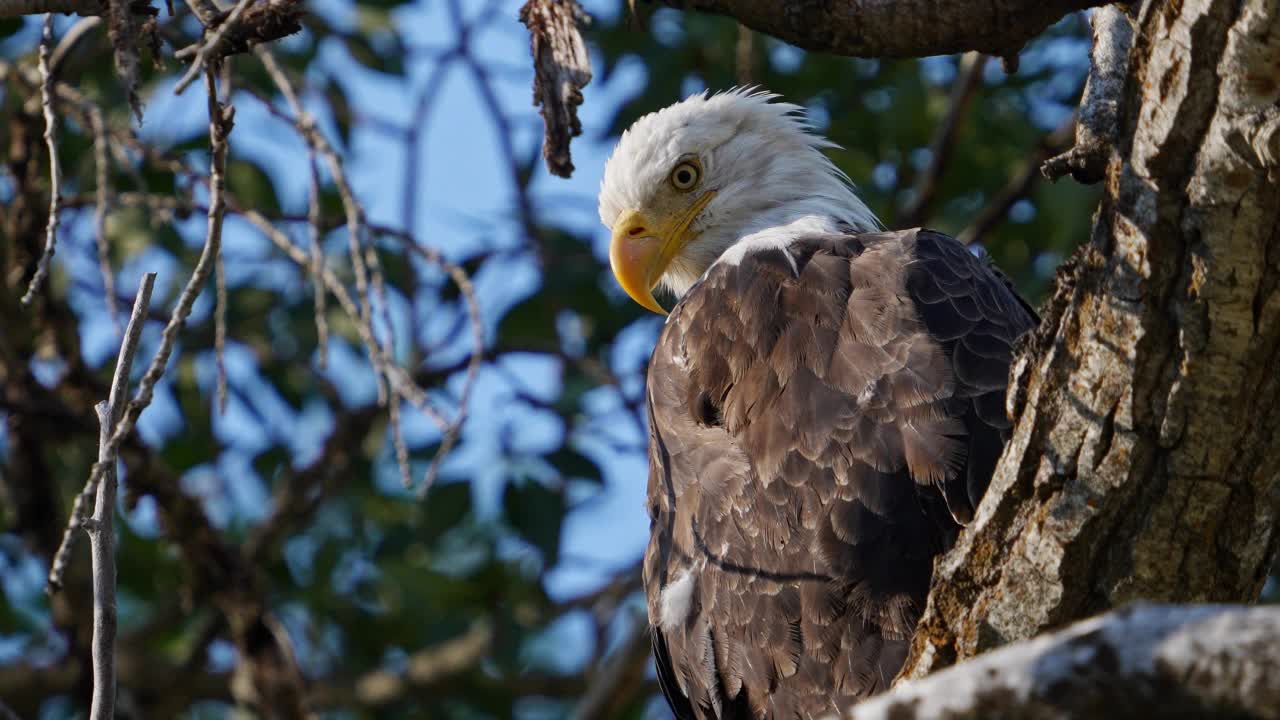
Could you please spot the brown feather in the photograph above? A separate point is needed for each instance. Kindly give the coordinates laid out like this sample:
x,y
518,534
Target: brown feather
x,y
814,440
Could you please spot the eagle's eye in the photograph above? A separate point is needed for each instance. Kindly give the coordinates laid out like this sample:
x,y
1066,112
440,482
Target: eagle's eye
x,y
685,175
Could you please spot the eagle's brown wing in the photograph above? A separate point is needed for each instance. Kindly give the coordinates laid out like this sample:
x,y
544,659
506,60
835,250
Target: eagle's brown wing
x,y
821,419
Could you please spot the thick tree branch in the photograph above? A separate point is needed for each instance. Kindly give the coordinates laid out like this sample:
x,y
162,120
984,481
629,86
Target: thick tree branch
x,y
18,8
1146,661
906,28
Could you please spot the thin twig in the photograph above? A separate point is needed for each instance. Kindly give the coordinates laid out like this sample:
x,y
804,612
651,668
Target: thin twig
x,y
389,347
331,281
220,289
221,121
70,40
1019,186
925,188
316,141
397,442
101,528
473,366
220,332
399,381
618,679
380,294
102,207
205,11
55,169
211,45
317,264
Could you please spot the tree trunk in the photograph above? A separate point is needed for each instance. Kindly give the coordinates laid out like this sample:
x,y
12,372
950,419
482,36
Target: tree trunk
x,y
1144,458
1145,462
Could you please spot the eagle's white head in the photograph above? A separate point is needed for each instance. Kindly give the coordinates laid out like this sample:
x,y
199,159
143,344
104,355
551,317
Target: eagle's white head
x,y
732,170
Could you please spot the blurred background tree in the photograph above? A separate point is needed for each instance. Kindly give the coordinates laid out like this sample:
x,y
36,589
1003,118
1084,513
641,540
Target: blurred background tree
x,y
275,533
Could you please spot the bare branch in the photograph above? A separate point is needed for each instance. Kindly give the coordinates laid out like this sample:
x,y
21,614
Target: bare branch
x,y
1018,187
216,210
18,8
618,679
473,363
220,332
1147,661
55,168
101,529
561,70
317,264
71,40
220,284
424,668
968,77
206,11
319,146
221,120
1100,107
400,382
389,347
211,46
908,28
102,207
245,26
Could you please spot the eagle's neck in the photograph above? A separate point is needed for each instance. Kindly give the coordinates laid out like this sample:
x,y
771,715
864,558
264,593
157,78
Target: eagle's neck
x,y
774,228
780,237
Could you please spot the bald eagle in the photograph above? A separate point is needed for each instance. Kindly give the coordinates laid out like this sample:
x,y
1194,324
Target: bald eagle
x,y
826,407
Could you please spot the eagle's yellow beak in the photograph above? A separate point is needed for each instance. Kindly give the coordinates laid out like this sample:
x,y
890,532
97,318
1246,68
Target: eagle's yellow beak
x,y
642,247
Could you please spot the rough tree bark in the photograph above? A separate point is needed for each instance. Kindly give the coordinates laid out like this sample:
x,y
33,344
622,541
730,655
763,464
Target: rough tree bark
x,y
1145,462
1201,661
899,29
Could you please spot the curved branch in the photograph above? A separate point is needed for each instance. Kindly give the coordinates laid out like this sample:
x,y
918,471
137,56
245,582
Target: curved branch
x,y
905,28
1146,661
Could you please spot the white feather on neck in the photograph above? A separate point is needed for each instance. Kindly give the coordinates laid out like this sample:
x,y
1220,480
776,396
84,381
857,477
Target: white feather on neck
x,y
773,181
